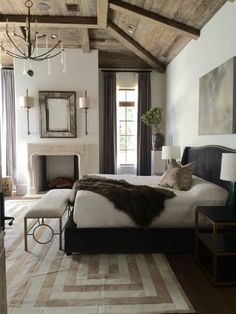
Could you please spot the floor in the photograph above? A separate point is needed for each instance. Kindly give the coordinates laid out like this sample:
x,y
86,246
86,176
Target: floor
x,y
205,298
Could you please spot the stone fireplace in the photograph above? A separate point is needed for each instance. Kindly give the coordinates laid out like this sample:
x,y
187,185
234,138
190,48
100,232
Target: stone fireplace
x,y
36,150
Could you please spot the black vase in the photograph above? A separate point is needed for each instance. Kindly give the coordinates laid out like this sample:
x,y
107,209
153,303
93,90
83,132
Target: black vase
x,y
157,141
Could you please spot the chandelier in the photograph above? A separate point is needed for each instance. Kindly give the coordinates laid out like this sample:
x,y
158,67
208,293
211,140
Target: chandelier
x,y
28,44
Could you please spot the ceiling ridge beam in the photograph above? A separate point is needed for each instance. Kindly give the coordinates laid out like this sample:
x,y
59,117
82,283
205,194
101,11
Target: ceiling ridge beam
x,y
102,13
81,21
150,16
135,47
84,35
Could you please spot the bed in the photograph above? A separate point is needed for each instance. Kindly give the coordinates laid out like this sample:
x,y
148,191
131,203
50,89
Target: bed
x,y
165,234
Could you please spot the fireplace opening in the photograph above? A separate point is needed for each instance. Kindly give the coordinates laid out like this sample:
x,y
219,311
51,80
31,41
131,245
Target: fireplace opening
x,y
58,171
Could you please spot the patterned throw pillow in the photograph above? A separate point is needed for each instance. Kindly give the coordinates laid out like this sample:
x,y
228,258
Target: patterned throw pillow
x,y
178,177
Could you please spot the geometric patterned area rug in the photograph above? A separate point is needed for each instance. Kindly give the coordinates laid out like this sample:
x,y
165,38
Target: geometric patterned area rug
x,y
45,280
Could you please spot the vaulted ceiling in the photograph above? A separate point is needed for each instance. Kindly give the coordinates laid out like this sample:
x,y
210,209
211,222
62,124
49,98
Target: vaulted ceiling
x,y
130,34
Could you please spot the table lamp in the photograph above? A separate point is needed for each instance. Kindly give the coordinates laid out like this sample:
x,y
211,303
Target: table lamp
x,y
228,173
170,152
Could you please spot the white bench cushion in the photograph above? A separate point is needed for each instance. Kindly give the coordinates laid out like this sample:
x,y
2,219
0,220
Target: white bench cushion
x,y
51,205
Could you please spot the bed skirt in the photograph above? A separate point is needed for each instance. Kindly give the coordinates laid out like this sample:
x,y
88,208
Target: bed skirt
x,y
127,240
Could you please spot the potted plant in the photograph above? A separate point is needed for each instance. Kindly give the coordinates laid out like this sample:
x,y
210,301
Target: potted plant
x,y
153,118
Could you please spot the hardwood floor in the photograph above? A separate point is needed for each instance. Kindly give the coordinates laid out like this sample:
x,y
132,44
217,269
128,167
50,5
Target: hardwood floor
x,y
206,298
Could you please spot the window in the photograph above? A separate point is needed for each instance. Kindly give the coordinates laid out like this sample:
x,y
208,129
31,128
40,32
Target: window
x,y
127,127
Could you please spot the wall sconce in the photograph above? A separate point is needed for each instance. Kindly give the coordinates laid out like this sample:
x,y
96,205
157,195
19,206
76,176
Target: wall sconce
x,y
27,102
84,103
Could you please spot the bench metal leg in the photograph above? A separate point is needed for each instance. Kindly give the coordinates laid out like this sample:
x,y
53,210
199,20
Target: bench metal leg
x,y
25,234
41,221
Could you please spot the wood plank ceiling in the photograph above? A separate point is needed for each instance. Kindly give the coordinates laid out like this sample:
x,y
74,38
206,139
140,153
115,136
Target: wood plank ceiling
x,y
134,34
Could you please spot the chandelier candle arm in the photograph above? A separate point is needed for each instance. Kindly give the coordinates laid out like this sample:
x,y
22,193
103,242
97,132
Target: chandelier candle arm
x,y
49,67
44,55
11,54
46,43
64,62
24,68
21,37
36,43
6,50
62,54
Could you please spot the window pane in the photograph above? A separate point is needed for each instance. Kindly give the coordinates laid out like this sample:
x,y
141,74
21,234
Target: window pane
x,y
121,113
131,157
130,95
122,159
121,95
130,128
131,113
131,142
122,128
122,142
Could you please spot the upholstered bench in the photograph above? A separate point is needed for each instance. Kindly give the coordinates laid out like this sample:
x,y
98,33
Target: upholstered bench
x,y
52,205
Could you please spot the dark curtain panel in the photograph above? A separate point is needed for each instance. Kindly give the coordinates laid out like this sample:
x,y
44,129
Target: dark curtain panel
x,y
8,123
109,122
144,131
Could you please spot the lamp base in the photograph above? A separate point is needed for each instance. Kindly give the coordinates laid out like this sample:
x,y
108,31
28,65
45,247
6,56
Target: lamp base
x,y
231,201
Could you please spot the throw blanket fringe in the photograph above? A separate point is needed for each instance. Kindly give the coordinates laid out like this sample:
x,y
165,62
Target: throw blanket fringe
x,y
141,202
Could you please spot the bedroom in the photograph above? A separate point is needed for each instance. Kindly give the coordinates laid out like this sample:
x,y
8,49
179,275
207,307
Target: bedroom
x,y
177,90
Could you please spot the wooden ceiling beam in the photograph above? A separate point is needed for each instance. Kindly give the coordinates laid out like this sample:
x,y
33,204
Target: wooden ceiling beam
x,y
102,12
133,10
57,21
85,45
135,47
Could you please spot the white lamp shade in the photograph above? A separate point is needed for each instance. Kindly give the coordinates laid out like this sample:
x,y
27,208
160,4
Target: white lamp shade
x,y
84,102
228,167
169,152
26,102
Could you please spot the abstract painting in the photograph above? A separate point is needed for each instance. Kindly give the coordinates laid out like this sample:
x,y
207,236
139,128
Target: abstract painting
x,y
217,100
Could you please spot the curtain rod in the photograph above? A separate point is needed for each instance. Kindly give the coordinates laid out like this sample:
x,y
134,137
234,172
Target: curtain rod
x,y
129,71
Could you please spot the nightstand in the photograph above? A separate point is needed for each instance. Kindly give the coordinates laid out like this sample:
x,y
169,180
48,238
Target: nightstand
x,y
215,246
158,165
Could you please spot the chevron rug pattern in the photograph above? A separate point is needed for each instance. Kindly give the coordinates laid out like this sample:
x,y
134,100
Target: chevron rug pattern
x,y
45,280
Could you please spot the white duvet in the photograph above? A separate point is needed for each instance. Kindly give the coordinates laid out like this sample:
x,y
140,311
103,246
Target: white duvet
x,y
94,210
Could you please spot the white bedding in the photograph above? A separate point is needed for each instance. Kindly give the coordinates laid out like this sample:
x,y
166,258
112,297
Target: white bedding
x,y
94,210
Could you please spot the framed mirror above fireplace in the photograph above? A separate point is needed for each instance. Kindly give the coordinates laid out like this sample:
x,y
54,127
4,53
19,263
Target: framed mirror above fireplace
x,y
57,114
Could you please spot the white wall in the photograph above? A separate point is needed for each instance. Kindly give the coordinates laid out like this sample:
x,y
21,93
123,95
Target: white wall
x,y
216,45
81,74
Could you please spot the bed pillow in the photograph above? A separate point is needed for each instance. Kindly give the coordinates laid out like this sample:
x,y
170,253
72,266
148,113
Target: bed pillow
x,y
178,177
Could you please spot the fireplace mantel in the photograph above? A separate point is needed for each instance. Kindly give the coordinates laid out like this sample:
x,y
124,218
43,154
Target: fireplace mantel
x,y
43,149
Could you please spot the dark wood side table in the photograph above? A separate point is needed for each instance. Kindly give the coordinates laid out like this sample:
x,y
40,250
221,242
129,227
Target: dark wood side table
x,y
215,246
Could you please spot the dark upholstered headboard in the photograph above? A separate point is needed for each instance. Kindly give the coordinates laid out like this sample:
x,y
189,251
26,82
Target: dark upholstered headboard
x,y
208,162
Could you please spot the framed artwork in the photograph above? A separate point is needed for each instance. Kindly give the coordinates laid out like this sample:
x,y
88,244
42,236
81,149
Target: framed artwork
x,y
217,100
57,114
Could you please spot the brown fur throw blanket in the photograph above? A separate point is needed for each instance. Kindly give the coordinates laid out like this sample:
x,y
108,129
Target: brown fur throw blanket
x,y
141,202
